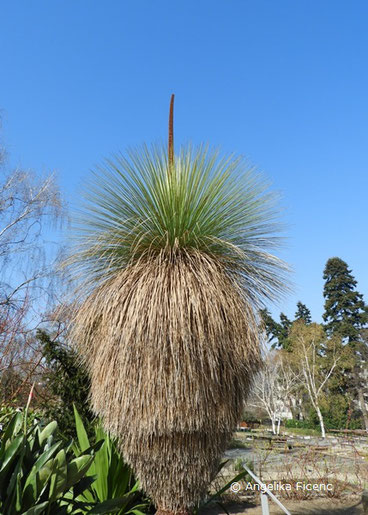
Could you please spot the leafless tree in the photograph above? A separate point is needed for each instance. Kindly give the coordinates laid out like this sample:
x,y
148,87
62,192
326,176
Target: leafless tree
x,y
30,208
317,357
273,387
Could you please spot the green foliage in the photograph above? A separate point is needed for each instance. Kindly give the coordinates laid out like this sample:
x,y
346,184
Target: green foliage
x,y
335,412
248,416
239,467
277,333
346,316
114,488
37,474
285,325
235,443
355,421
8,412
301,424
303,313
40,475
345,312
139,206
215,498
305,431
67,380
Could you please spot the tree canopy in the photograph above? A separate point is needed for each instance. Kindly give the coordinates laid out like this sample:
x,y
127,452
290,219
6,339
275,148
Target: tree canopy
x,y
345,311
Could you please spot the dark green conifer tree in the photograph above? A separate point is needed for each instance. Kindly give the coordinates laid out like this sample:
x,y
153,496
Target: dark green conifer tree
x,y
345,312
277,332
346,316
303,313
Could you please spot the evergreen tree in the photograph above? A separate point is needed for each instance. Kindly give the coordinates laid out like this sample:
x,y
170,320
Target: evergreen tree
x,y
68,384
346,315
345,312
277,332
303,313
270,326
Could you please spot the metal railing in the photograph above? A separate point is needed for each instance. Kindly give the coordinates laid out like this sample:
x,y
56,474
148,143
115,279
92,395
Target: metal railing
x,y
265,493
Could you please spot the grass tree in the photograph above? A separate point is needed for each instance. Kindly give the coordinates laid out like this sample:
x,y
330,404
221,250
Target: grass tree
x,y
173,257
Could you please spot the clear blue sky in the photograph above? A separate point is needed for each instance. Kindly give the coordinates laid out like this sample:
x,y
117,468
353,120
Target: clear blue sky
x,y
283,82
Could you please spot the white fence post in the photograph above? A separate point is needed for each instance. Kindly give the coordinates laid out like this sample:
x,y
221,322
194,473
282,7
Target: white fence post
x,y
264,493
264,504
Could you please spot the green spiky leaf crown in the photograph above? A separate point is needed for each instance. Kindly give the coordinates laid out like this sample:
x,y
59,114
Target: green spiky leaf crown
x,y
141,206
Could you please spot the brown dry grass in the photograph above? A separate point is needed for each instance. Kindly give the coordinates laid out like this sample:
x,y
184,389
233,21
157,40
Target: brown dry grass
x,y
171,345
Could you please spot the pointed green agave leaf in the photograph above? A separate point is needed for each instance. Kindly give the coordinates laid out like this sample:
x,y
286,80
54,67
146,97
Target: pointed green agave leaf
x,y
101,467
45,456
37,510
77,469
43,477
136,511
36,485
9,490
120,474
47,431
82,486
59,477
30,489
18,495
226,487
81,431
37,480
111,505
49,442
11,452
12,429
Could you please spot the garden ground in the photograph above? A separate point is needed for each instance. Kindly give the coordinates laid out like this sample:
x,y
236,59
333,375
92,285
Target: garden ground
x,y
350,506
341,461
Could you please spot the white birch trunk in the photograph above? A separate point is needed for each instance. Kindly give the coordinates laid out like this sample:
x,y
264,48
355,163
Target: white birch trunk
x,y
321,423
273,426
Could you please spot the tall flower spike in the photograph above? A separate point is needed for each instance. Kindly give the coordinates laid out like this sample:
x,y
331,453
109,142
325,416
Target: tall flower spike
x,y
171,133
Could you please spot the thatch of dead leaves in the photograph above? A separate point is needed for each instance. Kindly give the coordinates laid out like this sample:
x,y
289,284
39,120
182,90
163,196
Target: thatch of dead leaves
x,y
177,348
169,334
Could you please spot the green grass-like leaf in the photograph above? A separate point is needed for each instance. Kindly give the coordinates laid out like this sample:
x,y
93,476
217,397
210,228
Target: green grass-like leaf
x,y
135,207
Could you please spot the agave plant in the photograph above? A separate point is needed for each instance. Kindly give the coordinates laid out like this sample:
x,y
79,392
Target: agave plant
x,y
173,261
37,475
113,488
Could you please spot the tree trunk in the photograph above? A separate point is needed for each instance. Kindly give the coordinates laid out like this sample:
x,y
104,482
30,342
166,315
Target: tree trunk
x,y
273,426
321,423
363,407
278,426
293,408
350,411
